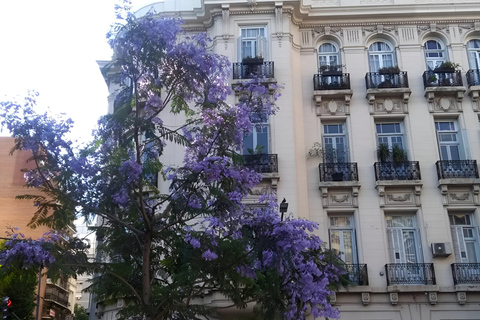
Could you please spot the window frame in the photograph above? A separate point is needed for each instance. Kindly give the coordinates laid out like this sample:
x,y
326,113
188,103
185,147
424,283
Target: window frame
x,y
396,247
434,61
328,55
341,229
259,44
460,241
375,65
334,157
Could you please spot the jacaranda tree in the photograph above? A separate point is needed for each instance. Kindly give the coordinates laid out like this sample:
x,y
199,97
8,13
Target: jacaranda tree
x,y
163,252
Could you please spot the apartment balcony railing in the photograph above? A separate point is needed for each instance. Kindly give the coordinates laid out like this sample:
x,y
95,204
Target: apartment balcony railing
x,y
454,169
473,77
340,81
380,80
253,70
442,78
466,273
261,163
410,273
357,274
346,171
57,298
402,170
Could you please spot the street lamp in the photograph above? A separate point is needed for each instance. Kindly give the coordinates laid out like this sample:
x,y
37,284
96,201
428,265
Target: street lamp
x,y
283,207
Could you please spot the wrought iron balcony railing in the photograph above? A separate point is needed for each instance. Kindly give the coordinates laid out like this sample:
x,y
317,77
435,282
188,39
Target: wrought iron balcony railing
x,y
252,70
442,79
346,171
466,273
261,163
380,80
410,273
357,274
473,77
331,82
57,297
448,169
403,170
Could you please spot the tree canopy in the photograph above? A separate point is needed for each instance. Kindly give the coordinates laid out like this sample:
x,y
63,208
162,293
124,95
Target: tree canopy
x,y
164,252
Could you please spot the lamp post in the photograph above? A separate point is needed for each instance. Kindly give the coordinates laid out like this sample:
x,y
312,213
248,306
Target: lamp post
x,y
283,207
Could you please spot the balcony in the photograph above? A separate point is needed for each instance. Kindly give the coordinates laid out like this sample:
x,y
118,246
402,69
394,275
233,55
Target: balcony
x,y
457,169
473,80
410,274
57,296
466,273
357,274
402,170
442,78
243,70
388,80
346,171
261,163
387,92
325,81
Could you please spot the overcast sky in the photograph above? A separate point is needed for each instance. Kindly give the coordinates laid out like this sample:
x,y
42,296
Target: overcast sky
x,y
51,46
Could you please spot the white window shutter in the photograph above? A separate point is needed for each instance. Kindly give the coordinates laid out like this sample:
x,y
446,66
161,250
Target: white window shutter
x,y
465,145
261,49
459,244
472,59
395,245
239,49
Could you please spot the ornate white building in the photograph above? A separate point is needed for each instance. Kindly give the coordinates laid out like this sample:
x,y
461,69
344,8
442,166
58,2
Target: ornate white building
x,y
376,138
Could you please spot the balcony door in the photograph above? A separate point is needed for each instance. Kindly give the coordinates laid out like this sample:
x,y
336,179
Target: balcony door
x,y
381,55
342,238
473,48
335,148
465,238
328,55
390,134
435,54
252,42
449,140
403,240
258,141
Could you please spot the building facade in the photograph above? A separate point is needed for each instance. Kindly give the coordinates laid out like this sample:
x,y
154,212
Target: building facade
x,y
56,297
376,138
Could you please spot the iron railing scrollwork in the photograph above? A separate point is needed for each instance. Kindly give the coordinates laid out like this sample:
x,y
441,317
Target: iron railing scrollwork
x,y
442,79
249,71
357,274
261,163
448,169
466,273
331,82
401,170
380,80
343,171
410,273
473,77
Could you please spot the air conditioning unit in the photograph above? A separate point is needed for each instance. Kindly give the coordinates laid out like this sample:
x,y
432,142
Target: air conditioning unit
x,y
441,249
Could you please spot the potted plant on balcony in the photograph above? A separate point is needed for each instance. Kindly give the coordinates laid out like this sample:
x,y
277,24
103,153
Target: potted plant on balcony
x,y
447,66
399,154
389,70
383,152
252,60
331,70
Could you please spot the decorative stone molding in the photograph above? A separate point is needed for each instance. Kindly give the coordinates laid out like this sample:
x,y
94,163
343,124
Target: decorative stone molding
x,y
432,298
332,102
388,106
375,96
333,107
391,195
394,298
474,93
340,195
445,99
461,297
333,298
365,298
460,194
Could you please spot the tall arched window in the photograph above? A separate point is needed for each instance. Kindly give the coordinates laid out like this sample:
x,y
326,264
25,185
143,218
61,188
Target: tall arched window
x,y
328,55
434,54
473,48
381,55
